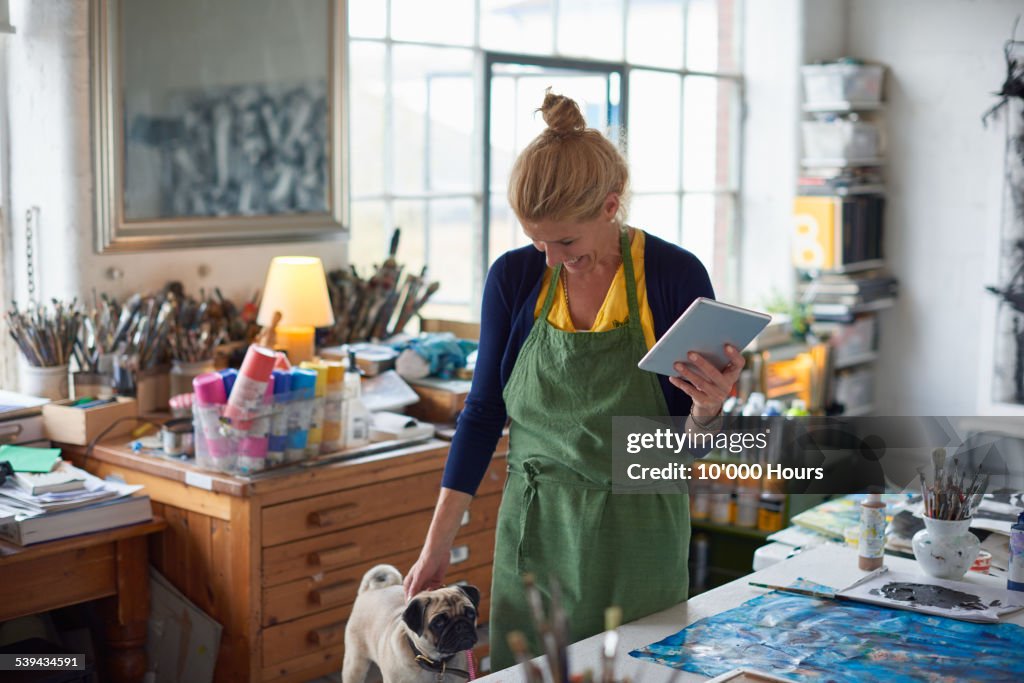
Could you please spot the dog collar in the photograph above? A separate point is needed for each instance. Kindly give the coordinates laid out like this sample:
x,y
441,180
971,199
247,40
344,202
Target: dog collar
x,y
439,667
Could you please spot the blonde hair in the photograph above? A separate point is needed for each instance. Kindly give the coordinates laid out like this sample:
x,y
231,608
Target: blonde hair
x,y
567,172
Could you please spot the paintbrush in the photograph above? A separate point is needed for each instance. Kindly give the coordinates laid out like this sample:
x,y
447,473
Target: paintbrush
x,y
517,643
612,621
807,592
543,628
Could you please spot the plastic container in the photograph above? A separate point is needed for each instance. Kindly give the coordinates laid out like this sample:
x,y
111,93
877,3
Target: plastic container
x,y
871,542
254,442
1015,577
827,84
840,139
769,512
212,447
747,507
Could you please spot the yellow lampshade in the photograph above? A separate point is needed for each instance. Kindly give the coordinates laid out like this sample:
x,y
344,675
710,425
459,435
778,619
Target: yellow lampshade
x,y
296,286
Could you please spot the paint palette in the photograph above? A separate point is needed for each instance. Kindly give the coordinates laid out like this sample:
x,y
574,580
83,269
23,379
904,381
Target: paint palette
x,y
939,597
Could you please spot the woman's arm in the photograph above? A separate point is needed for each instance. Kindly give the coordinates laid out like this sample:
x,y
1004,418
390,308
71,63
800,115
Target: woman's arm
x,y
432,565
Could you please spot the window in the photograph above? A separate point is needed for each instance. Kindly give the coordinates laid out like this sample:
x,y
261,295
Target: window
x,y
417,86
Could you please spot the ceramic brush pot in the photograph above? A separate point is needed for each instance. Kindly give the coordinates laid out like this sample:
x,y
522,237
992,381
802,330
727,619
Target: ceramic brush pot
x,y
946,549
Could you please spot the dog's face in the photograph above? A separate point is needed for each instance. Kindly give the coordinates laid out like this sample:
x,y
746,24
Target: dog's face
x,y
443,621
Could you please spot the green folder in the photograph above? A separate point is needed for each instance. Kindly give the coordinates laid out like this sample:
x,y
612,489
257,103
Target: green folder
x,y
27,459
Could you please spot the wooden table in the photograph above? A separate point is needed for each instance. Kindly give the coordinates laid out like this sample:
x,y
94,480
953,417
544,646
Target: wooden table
x,y
829,565
277,558
109,564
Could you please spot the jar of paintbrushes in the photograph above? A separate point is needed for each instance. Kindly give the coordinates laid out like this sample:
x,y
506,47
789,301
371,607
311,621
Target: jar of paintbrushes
x,y
946,548
46,336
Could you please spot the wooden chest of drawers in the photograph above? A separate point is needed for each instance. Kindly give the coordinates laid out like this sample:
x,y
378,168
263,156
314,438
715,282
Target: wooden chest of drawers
x,y
277,559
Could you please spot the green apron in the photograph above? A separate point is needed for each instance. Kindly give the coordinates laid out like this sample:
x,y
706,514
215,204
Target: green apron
x,y
558,517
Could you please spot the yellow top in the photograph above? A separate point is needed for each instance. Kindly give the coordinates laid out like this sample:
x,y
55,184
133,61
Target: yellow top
x,y
615,308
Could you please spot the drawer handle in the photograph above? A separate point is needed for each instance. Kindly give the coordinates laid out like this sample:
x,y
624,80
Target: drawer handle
x,y
327,635
336,592
459,554
339,555
328,517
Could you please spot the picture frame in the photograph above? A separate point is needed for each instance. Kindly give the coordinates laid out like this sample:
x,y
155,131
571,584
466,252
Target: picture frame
x,y
218,124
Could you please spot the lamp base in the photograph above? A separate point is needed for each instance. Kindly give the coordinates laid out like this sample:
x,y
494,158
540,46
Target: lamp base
x,y
297,342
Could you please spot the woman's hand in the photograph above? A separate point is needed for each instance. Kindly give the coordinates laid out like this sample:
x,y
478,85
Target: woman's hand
x,y
428,572
705,384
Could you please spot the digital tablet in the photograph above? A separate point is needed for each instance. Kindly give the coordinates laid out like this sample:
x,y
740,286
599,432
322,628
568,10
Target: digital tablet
x,y
705,327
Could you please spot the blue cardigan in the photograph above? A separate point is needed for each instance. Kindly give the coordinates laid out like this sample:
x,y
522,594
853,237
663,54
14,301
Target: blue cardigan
x,y
674,276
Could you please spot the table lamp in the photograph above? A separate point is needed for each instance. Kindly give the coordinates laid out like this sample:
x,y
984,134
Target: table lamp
x,y
297,287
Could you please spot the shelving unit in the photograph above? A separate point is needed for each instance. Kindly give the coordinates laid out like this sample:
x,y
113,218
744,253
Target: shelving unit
x,y
839,213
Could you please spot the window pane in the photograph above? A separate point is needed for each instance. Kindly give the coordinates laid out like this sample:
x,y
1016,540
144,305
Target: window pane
x,y
702,35
653,137
506,232
505,145
655,33
710,131
415,70
367,18
708,225
366,112
451,134
452,258
656,214
590,28
409,214
517,27
429,22
370,236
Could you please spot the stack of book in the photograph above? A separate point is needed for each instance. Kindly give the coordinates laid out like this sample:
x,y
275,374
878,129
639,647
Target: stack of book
x,y
834,297
839,181
65,501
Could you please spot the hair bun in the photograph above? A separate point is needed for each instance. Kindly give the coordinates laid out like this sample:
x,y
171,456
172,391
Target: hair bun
x,y
562,114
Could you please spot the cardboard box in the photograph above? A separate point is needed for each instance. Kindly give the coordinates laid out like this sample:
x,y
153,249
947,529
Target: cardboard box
x,y
440,400
67,424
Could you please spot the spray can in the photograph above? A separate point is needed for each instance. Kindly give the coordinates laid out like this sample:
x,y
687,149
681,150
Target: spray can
x,y
1015,577
316,426
332,436
300,414
871,547
279,418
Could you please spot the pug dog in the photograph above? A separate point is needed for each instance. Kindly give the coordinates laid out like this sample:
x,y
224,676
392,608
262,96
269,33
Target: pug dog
x,y
423,641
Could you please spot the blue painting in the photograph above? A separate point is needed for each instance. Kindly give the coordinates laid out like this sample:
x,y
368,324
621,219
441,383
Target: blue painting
x,y
805,639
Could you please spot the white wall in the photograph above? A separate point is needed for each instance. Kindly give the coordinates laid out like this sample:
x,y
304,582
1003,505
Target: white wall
x,y
944,174
51,168
772,54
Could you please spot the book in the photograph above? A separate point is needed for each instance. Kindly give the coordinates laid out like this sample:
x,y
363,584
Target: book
x,y
25,529
63,477
30,459
14,405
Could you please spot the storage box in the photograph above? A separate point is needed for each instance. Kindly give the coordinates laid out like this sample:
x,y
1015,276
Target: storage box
x,y
854,340
855,390
441,401
841,82
153,391
67,424
840,141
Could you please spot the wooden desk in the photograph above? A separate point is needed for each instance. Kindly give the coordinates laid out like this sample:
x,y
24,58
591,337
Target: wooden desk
x,y
106,564
830,565
277,558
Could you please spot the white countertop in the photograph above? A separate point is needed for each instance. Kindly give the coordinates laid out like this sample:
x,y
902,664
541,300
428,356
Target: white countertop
x,y
831,565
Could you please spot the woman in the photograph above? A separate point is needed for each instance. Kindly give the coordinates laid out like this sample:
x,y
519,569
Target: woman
x,y
563,325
